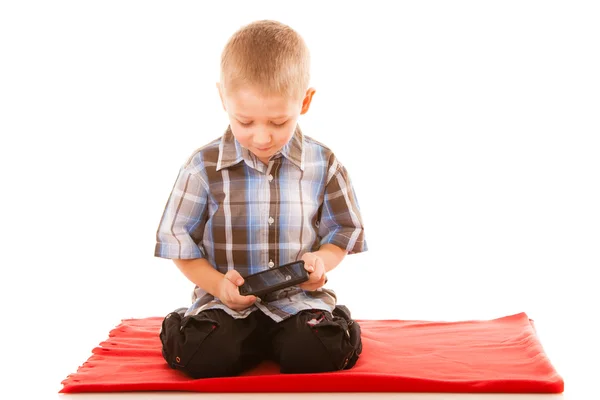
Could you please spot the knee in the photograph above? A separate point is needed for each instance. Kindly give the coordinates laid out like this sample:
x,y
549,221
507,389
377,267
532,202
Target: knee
x,y
214,358
318,348
197,347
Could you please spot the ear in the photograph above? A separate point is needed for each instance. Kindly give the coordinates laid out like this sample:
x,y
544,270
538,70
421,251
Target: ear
x,y
307,100
220,89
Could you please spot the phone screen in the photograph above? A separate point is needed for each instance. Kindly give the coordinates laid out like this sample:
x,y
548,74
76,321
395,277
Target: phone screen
x,y
289,273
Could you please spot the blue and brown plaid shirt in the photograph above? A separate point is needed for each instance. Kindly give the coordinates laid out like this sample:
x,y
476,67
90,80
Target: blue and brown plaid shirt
x,y
238,213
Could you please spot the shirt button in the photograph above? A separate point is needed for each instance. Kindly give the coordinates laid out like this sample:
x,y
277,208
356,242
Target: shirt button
x,y
270,178
271,264
271,220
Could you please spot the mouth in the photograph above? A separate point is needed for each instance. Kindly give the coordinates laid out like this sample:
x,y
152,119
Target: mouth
x,y
263,148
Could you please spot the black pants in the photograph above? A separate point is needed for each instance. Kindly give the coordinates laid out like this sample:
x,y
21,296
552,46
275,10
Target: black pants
x,y
214,344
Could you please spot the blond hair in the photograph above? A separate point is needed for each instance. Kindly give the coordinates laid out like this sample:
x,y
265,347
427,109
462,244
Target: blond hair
x,y
269,56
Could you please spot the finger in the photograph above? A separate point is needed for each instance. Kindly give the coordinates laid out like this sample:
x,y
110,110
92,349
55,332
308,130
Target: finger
x,y
310,286
308,265
319,282
313,285
320,264
319,268
316,276
238,298
246,300
234,277
249,299
313,278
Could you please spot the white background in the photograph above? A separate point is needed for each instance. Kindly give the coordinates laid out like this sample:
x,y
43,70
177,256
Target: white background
x,y
470,130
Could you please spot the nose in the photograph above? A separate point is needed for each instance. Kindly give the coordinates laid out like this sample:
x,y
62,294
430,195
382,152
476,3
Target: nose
x,y
261,138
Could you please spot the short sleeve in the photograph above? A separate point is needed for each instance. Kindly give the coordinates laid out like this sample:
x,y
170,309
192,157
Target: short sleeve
x,y
181,227
341,223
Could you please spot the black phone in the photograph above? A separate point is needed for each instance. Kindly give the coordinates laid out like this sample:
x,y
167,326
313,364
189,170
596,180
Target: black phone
x,y
273,279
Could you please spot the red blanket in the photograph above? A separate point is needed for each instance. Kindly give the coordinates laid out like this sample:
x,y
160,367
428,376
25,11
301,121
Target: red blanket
x,y
499,355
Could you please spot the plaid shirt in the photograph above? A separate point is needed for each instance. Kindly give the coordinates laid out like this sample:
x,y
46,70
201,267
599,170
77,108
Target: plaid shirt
x,y
238,213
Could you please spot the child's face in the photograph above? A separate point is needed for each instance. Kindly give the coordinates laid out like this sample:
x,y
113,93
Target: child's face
x,y
263,124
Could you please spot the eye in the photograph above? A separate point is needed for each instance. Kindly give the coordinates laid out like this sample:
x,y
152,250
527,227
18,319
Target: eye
x,y
251,122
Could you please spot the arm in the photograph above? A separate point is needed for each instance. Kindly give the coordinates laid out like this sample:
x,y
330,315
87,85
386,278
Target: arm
x,y
341,229
180,232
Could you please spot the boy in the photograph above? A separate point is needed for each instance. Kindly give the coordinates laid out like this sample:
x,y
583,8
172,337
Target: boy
x,y
260,196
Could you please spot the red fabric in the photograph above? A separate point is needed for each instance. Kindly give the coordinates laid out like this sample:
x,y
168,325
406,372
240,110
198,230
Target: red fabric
x,y
500,355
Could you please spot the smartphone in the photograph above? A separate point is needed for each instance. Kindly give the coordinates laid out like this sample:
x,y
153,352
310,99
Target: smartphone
x,y
273,279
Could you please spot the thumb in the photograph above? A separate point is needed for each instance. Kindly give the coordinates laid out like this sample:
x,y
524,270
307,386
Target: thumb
x,y
309,265
319,268
249,299
234,277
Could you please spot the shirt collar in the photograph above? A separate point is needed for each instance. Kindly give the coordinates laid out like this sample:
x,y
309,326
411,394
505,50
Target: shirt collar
x,y
231,151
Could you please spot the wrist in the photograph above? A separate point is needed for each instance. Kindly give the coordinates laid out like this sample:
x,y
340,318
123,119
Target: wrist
x,y
331,255
217,289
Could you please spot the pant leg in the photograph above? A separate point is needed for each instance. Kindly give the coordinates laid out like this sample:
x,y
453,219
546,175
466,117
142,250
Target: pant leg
x,y
212,343
314,341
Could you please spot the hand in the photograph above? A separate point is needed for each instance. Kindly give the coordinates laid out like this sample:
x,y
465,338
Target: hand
x,y
316,269
229,293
